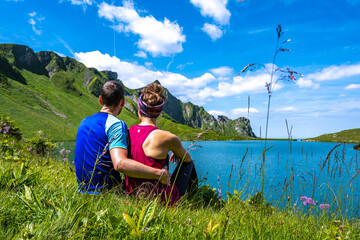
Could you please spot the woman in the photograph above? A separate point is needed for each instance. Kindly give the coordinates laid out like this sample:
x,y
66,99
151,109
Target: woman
x,y
150,146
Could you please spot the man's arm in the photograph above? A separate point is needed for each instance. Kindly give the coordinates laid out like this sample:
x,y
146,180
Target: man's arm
x,y
135,169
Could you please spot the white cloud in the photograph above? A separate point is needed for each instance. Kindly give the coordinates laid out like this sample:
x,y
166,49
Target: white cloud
x,y
32,14
250,83
182,66
352,86
216,113
306,83
33,22
215,9
241,111
212,30
286,109
141,54
81,2
36,31
201,81
335,72
158,38
134,75
149,64
222,71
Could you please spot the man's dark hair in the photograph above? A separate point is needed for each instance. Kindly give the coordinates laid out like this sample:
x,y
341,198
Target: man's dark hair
x,y
111,93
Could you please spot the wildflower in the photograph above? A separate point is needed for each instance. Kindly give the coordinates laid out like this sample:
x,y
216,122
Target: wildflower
x,y
62,151
307,201
65,159
68,151
6,130
322,206
29,148
0,130
12,142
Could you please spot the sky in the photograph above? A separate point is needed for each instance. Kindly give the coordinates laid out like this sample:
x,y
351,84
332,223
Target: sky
x,y
196,48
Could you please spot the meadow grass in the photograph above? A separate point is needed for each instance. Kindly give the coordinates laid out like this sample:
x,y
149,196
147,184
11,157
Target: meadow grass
x,y
39,200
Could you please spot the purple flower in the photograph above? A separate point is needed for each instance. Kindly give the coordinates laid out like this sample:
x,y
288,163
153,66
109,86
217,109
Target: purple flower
x,y
62,151
307,201
0,130
12,142
6,130
29,148
303,198
68,151
65,159
322,206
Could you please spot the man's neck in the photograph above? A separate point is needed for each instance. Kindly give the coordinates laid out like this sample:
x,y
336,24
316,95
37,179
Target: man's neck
x,y
108,110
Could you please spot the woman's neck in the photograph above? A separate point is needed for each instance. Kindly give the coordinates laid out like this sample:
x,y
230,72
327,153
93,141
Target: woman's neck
x,y
148,121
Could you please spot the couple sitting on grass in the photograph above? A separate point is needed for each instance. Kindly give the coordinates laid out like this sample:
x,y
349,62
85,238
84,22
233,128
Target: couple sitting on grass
x,y
105,147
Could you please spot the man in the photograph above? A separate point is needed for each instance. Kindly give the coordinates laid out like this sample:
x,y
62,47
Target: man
x,y
101,147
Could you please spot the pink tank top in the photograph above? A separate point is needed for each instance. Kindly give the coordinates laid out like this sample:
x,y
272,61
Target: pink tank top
x,y
138,135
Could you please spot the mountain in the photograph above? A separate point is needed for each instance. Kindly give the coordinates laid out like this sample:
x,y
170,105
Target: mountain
x,y
350,136
44,91
196,117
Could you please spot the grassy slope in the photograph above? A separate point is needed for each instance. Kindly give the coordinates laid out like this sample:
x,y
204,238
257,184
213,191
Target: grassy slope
x,y
41,105
351,136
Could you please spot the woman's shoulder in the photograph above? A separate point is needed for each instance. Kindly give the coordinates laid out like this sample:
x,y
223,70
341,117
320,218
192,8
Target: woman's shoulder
x,y
163,135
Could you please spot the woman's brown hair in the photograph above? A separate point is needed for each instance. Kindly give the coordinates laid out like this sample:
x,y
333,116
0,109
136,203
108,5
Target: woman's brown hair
x,y
153,94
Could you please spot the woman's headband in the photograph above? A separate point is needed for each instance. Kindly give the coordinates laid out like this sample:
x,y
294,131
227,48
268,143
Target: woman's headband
x,y
149,111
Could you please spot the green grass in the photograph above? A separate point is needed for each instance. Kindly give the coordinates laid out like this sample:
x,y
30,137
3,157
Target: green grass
x,y
350,136
38,200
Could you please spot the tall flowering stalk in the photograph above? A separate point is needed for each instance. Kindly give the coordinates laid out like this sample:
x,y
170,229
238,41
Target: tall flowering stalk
x,y
284,74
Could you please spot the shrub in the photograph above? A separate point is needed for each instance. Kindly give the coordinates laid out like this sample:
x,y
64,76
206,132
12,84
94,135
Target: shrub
x,y
40,144
8,128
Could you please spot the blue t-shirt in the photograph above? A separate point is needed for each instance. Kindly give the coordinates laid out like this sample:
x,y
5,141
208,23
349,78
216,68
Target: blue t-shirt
x,y
97,134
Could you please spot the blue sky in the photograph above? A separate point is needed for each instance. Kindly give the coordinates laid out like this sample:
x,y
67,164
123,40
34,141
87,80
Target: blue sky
x,y
195,48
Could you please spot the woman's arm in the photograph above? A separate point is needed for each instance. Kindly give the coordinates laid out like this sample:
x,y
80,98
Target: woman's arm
x,y
178,150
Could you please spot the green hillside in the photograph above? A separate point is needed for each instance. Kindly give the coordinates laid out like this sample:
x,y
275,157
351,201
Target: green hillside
x,y
350,136
43,91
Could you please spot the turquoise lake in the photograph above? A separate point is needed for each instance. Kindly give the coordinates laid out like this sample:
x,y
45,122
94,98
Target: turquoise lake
x,y
292,169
